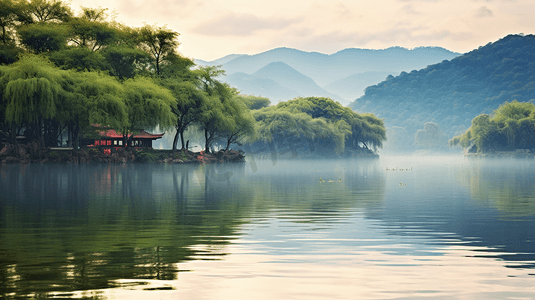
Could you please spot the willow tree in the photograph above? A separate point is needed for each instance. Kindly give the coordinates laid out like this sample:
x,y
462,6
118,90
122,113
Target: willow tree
x,y
373,132
319,125
31,87
510,127
45,100
92,98
148,105
215,120
188,106
355,130
241,124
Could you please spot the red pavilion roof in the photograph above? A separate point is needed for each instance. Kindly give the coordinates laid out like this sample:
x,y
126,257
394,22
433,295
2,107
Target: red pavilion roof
x,y
111,133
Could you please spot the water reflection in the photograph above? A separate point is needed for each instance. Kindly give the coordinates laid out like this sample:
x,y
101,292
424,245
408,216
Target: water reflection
x,y
346,229
81,227
507,185
484,203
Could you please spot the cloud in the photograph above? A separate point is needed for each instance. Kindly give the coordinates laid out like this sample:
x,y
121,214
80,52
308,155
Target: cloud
x,y
409,9
484,12
234,24
161,9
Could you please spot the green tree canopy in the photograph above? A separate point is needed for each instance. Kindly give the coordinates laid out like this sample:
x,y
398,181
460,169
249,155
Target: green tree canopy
x,y
42,11
161,43
43,37
30,89
148,105
510,127
318,124
189,102
241,125
85,31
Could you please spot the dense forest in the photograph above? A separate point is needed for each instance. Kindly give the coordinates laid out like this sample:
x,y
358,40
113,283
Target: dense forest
x,y
62,71
451,93
510,127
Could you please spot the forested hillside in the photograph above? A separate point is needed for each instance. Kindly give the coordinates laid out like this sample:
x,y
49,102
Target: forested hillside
x,y
452,93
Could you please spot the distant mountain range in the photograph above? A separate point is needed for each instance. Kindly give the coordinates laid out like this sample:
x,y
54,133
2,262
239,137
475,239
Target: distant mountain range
x,y
281,74
452,93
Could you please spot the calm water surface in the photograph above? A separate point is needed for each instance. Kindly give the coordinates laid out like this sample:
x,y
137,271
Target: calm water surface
x,y
393,228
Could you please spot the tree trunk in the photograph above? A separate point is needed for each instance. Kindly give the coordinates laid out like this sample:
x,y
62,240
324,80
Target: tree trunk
x,y
175,140
206,142
228,143
75,136
182,139
40,134
13,134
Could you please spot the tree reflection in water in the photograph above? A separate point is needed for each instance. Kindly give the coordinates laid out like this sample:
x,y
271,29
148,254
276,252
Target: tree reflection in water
x,y
71,228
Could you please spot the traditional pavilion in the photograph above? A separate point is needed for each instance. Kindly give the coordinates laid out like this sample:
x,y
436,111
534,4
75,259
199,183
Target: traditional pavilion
x,y
110,138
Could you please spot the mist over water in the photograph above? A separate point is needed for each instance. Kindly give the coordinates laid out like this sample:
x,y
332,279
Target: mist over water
x,y
404,227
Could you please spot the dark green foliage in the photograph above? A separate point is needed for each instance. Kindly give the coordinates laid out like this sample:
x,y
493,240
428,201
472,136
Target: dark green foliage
x,y
43,37
80,59
510,127
124,62
9,54
453,92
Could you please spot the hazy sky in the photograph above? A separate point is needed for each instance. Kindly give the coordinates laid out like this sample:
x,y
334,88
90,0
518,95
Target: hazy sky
x,y
210,29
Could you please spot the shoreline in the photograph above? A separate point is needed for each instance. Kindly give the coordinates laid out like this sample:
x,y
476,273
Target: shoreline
x,y
520,153
33,153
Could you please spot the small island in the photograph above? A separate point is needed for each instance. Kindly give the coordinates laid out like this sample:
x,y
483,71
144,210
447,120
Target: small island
x,y
508,132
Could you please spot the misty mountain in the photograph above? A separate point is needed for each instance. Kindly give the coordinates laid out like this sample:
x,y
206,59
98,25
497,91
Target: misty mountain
x,y
278,82
355,84
217,62
326,69
452,93
269,88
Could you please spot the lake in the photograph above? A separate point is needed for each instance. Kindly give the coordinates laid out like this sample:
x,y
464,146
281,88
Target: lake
x,y
390,228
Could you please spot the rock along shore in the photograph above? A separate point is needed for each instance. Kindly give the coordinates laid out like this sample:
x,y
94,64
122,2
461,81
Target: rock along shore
x,y
33,153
